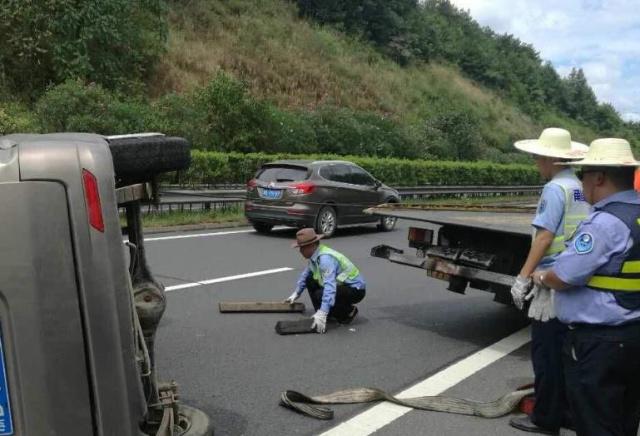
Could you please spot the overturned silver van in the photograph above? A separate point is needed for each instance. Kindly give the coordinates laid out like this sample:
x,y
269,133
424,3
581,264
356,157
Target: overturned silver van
x,y
75,358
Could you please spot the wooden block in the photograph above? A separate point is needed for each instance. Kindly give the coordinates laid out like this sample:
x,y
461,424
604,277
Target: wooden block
x,y
260,307
300,326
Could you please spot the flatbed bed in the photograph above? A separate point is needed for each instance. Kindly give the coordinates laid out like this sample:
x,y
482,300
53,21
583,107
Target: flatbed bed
x,y
515,220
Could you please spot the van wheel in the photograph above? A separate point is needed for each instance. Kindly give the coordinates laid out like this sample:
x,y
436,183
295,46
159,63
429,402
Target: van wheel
x,y
326,221
138,159
262,227
193,422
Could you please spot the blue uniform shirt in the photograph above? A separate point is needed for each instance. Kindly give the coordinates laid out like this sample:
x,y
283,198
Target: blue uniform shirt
x,y
597,239
550,213
329,267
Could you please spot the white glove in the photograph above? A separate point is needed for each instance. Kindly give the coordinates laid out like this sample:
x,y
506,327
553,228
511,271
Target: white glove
x,y
519,290
542,307
293,297
319,321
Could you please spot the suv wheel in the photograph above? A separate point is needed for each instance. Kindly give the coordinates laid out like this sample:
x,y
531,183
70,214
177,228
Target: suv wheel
x,y
387,223
327,221
262,227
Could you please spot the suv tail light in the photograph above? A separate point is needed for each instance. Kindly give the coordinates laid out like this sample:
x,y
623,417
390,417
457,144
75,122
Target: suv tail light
x,y
92,199
251,185
302,188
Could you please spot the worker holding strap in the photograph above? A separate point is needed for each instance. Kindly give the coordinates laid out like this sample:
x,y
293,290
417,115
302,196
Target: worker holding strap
x,y
560,208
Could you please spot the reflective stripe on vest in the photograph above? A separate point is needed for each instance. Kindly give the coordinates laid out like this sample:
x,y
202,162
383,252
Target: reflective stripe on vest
x,y
346,269
627,279
575,210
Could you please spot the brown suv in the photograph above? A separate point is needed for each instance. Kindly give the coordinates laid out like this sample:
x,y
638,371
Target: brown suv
x,y
319,194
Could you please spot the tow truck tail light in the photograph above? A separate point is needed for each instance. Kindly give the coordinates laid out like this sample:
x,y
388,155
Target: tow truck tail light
x,y
92,199
420,238
302,188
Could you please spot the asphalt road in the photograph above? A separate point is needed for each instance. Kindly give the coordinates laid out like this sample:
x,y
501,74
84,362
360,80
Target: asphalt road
x,y
234,366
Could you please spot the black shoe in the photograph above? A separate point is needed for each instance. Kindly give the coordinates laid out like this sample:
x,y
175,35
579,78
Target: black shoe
x,y
524,423
349,317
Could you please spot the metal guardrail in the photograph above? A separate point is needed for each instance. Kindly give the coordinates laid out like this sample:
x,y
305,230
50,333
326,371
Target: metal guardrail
x,y
226,197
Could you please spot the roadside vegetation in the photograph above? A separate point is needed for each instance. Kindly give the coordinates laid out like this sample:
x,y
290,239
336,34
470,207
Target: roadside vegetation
x,y
397,79
233,215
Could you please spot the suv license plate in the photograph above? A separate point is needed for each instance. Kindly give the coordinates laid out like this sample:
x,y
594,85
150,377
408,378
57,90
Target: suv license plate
x,y
6,423
271,194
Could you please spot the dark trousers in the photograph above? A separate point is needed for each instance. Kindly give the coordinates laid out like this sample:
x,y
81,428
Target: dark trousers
x,y
602,371
551,409
346,297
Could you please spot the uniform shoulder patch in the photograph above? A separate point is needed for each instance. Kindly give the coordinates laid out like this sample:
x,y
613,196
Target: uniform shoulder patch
x,y
583,243
543,206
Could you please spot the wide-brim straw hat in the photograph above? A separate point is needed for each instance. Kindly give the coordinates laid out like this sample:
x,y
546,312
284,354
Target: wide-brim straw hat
x,y
608,152
553,142
305,237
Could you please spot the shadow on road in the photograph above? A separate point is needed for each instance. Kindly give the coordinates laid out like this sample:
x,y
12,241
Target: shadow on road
x,y
465,322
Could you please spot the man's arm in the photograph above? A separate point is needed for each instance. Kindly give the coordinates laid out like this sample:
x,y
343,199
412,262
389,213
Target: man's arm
x,y
549,279
328,269
302,279
539,246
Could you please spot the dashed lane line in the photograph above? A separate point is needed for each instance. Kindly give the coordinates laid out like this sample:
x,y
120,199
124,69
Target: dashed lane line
x,y
382,414
226,279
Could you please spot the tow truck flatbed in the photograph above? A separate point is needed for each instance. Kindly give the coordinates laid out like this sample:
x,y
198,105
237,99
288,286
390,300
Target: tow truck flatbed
x,y
513,219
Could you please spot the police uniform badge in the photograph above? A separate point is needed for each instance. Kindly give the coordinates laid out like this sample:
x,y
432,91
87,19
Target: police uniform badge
x,y
583,243
542,207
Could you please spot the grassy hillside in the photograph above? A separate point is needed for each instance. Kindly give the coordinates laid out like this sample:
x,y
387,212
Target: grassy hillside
x,y
298,65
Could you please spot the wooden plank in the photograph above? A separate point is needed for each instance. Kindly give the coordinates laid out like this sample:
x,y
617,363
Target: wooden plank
x,y
301,326
259,307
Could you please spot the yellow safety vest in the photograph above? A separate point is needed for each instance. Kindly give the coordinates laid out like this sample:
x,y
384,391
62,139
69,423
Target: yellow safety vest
x,y
346,269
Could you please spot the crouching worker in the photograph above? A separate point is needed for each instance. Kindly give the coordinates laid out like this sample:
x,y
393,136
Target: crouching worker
x,y
333,281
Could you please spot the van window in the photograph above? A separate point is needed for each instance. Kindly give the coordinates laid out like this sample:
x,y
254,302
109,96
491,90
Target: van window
x,y
282,174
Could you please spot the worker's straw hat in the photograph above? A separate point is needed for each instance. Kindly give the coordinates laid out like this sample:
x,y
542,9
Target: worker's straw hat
x,y
553,142
305,237
608,152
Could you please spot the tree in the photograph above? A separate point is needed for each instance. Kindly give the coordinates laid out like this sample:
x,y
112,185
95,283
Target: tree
x,y
114,43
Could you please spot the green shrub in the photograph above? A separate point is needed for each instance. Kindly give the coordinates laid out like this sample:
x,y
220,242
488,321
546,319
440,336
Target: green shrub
x,y
216,168
77,107
15,118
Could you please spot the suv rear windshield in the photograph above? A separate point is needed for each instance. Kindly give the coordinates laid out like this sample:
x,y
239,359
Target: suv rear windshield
x,y
281,174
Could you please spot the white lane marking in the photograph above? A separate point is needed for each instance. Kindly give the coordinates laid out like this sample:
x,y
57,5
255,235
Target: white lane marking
x,y
203,235
199,235
382,414
226,279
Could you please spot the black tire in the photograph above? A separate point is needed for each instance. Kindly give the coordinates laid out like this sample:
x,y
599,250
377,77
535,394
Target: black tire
x,y
139,159
387,224
262,227
326,221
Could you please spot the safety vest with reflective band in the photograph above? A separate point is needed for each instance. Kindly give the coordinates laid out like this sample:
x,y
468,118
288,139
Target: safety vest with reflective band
x,y
346,269
621,275
575,210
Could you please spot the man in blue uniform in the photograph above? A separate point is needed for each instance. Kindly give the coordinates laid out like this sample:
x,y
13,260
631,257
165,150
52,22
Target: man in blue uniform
x,y
597,283
560,208
334,283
